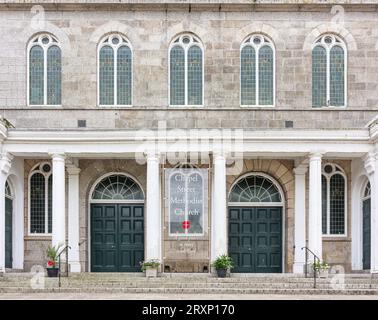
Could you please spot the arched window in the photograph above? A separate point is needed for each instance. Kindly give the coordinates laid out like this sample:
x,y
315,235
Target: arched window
x,y
334,200
257,71
255,188
118,187
40,199
328,72
115,71
8,190
45,70
186,71
367,192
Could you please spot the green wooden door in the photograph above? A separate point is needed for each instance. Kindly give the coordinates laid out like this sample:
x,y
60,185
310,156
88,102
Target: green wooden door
x,y
255,239
366,235
8,232
117,237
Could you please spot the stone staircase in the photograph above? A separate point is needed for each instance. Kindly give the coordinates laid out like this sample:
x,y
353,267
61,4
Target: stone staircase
x,y
349,284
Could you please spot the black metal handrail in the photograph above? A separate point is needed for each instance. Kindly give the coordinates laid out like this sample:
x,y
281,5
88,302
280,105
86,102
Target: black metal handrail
x,y
60,253
313,266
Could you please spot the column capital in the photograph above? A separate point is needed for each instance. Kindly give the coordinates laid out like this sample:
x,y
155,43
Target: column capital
x,y
315,155
152,155
5,162
72,166
57,155
72,170
300,169
369,162
219,155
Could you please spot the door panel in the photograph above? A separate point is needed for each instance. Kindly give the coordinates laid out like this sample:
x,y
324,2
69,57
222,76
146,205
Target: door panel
x,y
131,237
366,235
8,232
255,239
117,237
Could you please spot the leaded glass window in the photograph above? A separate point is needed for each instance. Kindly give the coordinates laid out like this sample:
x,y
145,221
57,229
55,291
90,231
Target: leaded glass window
x,y
186,71
333,200
328,72
255,188
367,192
118,187
8,190
257,71
115,71
45,69
40,199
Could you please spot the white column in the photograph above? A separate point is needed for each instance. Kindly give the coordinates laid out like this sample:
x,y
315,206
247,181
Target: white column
x,y
58,200
300,218
219,210
371,166
5,164
73,218
315,205
153,216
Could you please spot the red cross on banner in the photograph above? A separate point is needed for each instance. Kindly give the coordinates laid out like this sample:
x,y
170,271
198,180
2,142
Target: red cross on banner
x,y
186,224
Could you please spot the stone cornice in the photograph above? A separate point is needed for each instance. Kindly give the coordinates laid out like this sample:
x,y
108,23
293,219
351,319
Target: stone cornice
x,y
372,125
224,5
251,2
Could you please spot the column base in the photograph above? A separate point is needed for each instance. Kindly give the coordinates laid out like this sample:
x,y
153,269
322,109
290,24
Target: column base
x,y
298,267
75,267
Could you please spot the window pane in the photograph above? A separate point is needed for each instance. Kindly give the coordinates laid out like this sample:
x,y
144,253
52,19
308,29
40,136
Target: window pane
x,y
337,204
248,76
36,76
324,205
337,76
37,203
117,187
194,76
54,69
178,205
255,189
49,204
195,203
319,77
266,76
124,61
177,76
106,76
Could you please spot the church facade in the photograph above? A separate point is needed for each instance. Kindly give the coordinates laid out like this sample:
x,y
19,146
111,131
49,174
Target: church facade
x,y
184,130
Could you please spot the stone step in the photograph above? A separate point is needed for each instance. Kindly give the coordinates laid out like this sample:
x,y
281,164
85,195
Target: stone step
x,y
196,291
153,284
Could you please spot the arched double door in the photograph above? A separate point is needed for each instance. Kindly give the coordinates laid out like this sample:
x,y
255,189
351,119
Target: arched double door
x,y
117,225
255,212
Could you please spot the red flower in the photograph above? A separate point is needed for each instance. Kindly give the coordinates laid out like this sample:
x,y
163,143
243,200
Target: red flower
x,y
50,263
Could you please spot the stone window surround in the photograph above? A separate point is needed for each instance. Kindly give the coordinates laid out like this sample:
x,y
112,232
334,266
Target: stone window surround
x,y
53,41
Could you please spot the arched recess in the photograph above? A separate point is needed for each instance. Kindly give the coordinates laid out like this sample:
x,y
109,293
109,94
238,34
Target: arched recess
x,y
116,228
256,224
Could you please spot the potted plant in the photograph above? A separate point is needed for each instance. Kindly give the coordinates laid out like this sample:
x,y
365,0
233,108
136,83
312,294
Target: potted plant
x,y
150,267
52,258
321,268
222,263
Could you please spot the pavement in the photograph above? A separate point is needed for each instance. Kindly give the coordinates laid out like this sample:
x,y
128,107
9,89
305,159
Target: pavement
x,y
152,296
